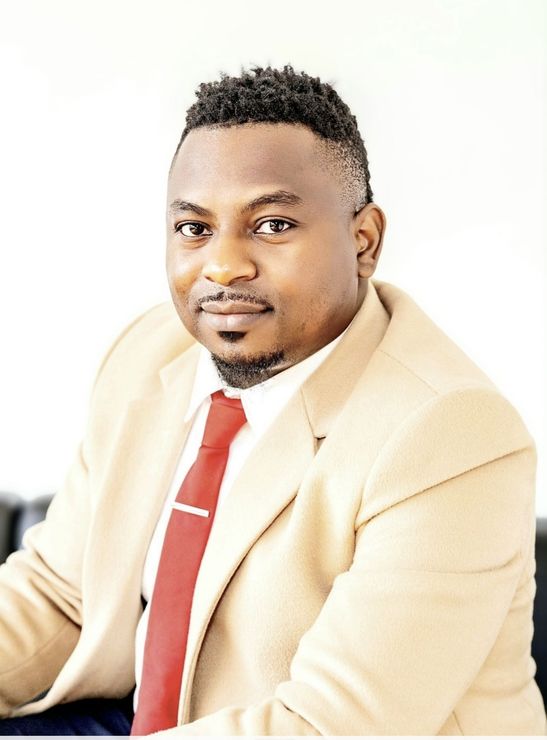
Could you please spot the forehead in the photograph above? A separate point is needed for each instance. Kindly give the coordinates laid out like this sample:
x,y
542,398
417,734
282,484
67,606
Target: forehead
x,y
250,157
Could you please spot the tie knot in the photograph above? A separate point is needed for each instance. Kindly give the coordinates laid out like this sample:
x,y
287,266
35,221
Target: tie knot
x,y
225,419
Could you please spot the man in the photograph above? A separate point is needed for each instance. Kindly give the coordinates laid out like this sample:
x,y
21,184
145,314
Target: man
x,y
353,495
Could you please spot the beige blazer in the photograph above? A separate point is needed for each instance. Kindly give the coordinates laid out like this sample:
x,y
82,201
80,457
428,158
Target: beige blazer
x,y
371,571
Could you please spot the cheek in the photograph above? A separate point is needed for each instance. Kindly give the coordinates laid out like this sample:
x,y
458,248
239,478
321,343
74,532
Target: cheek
x,y
326,271
182,272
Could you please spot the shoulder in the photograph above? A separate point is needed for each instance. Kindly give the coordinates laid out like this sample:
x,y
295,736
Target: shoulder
x,y
415,342
441,381
438,415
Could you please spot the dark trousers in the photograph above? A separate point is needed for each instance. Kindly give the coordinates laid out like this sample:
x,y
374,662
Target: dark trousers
x,y
87,717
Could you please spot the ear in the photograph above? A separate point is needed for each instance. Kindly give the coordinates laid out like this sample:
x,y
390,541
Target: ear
x,y
368,226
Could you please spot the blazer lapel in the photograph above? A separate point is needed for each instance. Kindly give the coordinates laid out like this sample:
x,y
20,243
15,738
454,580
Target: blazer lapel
x,y
151,437
267,483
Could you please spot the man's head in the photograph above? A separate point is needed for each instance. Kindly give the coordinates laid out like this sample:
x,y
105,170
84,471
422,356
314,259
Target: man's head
x,y
272,233
283,96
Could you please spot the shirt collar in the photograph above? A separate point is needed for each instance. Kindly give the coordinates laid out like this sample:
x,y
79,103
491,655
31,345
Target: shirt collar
x,y
261,402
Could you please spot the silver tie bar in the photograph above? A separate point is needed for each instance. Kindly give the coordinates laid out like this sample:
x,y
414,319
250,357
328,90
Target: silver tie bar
x,y
190,509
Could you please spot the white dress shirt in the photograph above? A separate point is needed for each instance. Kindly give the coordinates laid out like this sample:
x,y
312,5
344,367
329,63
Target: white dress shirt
x,y
261,403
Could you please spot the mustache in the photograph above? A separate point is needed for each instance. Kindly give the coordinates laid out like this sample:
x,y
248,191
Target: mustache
x,y
222,296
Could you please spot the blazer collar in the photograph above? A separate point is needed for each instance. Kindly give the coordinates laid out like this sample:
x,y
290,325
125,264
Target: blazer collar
x,y
327,390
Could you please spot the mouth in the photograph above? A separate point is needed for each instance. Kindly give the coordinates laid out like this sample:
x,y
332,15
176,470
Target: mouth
x,y
233,316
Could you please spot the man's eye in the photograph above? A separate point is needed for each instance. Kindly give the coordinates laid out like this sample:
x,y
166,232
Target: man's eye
x,y
192,228
273,226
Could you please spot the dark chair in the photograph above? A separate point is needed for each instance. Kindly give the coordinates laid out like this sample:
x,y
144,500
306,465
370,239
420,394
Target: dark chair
x,y
17,514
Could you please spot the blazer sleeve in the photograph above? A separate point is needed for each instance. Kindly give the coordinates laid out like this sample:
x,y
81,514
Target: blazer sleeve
x,y
40,601
40,585
441,540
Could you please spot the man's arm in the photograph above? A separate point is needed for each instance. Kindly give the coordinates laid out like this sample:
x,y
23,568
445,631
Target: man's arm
x,y
404,632
40,601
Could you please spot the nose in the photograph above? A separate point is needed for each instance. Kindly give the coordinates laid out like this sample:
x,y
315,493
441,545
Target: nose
x,y
228,261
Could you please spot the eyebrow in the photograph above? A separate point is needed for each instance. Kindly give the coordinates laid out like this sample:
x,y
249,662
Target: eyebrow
x,y
278,197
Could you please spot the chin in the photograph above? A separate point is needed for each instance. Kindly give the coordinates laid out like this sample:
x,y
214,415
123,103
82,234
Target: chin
x,y
241,369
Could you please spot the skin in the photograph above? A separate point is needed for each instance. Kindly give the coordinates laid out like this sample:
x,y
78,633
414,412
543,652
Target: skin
x,y
288,273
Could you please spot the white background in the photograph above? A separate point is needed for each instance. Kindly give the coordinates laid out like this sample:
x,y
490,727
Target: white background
x,y
450,98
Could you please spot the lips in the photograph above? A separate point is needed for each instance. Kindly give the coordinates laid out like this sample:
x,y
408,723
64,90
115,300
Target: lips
x,y
233,315
231,307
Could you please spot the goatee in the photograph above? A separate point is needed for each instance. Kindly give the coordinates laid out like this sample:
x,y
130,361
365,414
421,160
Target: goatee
x,y
244,373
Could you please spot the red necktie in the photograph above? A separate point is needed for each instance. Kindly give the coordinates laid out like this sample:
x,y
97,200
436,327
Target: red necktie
x,y
183,548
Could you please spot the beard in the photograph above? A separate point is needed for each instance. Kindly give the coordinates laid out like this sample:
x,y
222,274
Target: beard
x,y
246,372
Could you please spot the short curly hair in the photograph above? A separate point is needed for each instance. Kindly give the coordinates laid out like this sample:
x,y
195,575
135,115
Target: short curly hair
x,y
267,95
